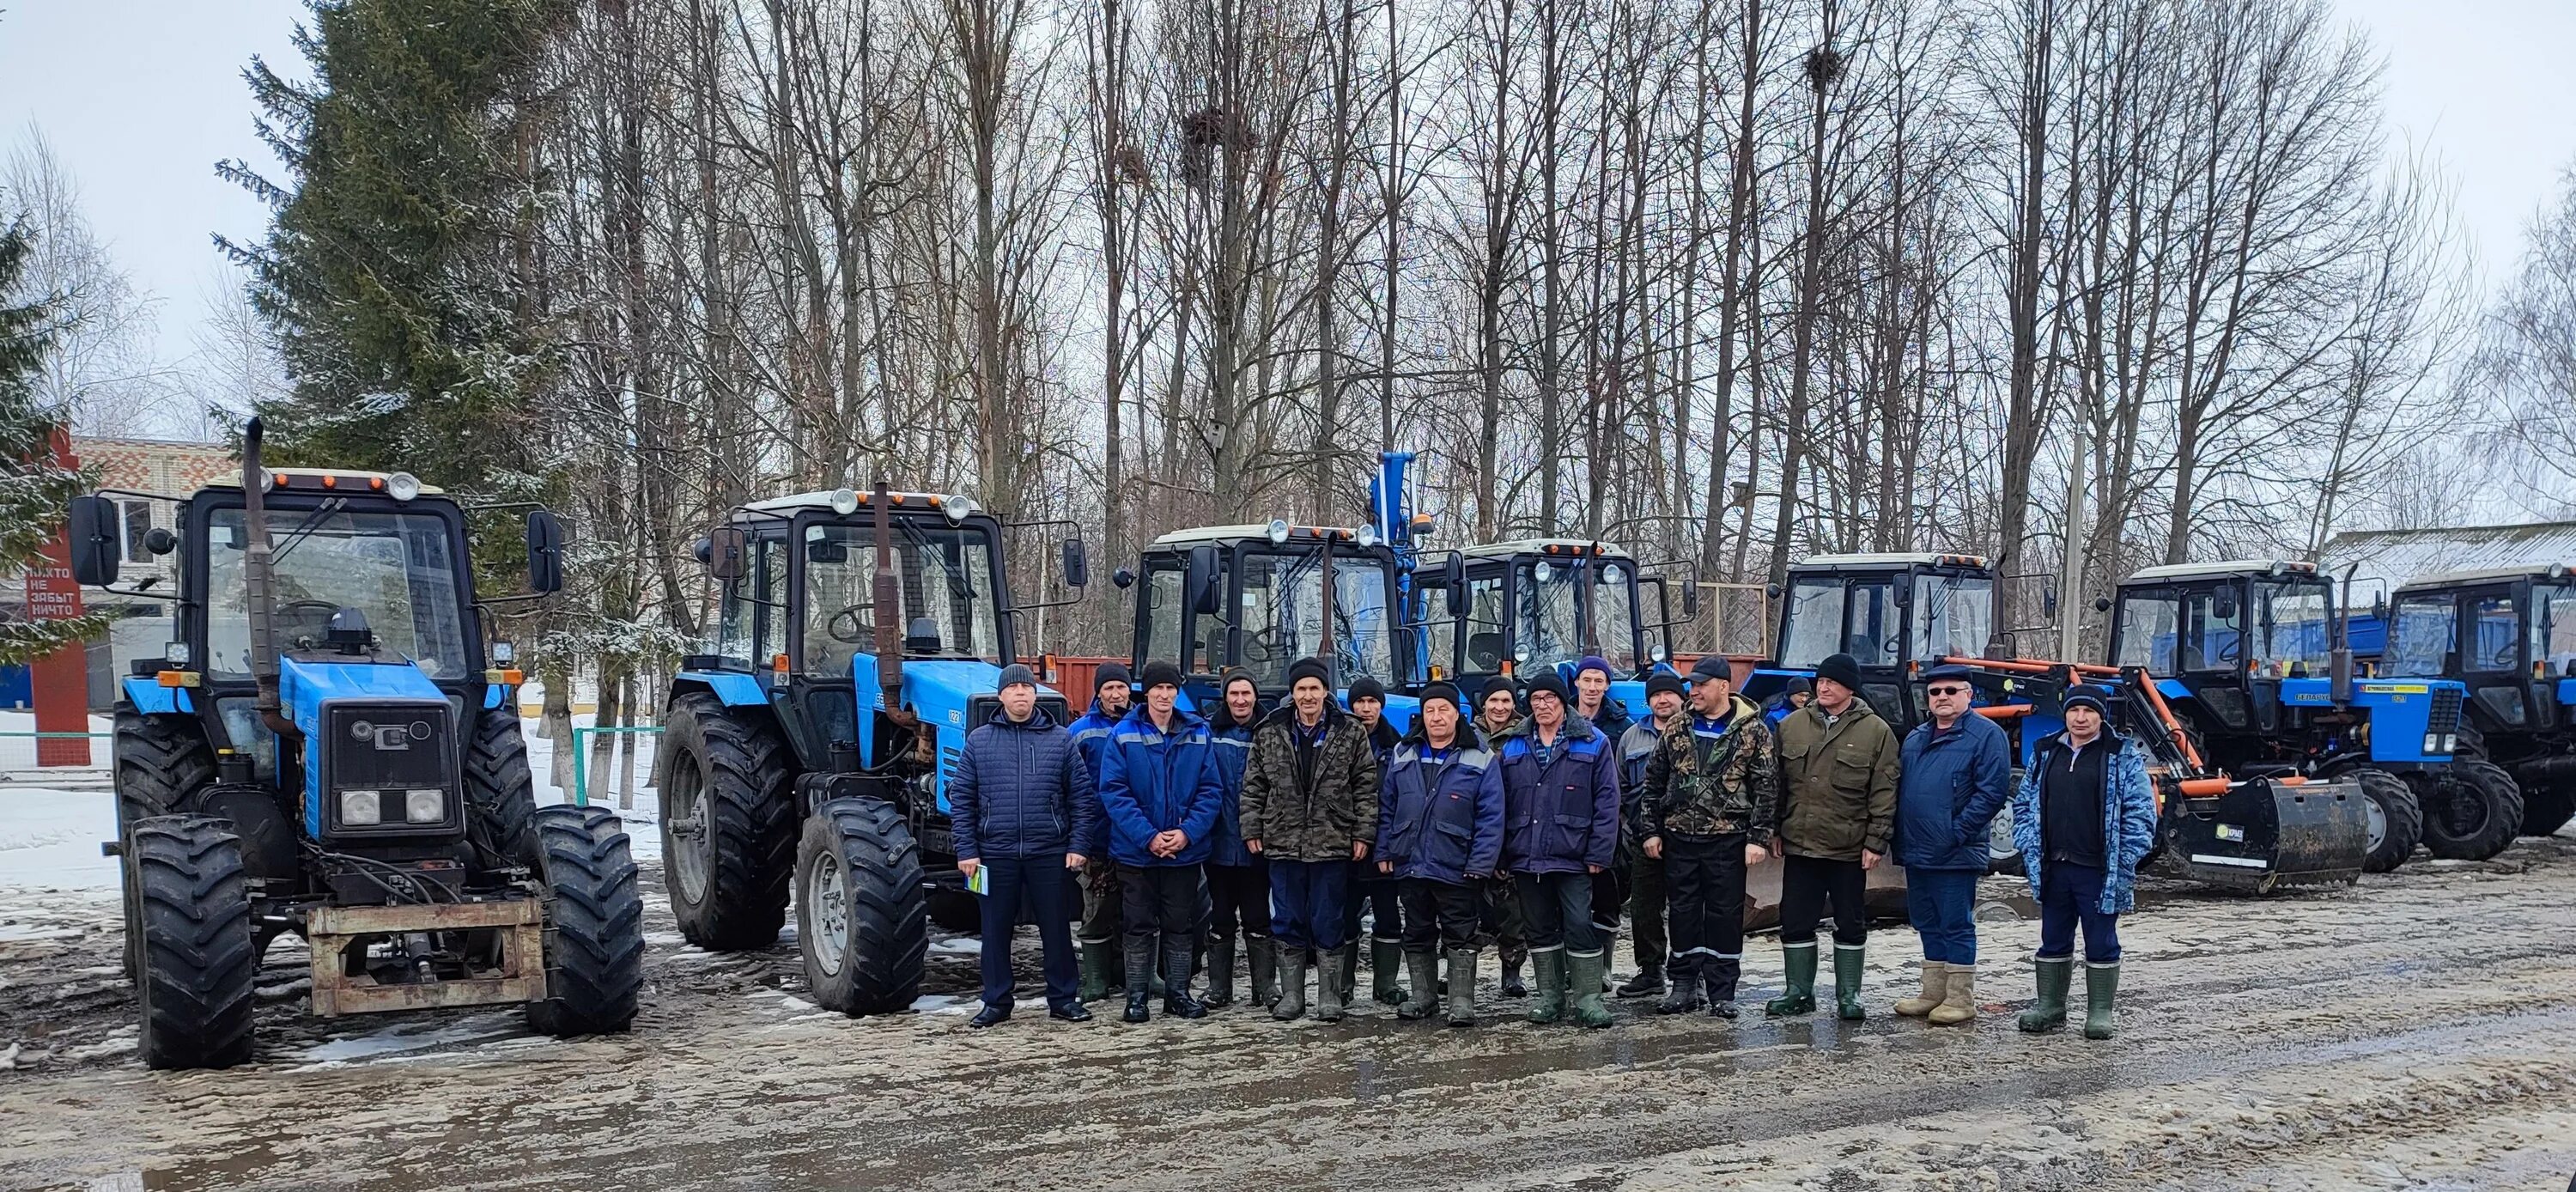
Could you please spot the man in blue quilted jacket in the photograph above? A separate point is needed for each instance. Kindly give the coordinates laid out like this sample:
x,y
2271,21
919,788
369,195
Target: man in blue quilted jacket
x,y
2084,818
1161,788
1559,784
1023,811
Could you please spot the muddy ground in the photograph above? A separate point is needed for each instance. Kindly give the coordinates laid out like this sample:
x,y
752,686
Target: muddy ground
x,y
2418,1031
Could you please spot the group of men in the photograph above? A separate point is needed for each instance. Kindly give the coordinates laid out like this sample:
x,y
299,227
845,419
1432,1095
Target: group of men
x,y
1527,824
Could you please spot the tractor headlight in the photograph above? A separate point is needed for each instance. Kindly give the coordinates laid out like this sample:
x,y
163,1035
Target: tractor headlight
x,y
1278,531
844,501
2450,742
958,509
360,809
504,653
1656,654
402,486
1368,536
176,653
427,806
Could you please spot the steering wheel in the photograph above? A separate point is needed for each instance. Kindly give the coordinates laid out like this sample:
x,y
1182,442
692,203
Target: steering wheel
x,y
1261,647
858,631
2234,650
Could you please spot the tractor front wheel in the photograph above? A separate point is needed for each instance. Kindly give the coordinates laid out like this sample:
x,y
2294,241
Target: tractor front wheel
x,y
190,905
594,922
2396,819
2476,813
728,824
860,918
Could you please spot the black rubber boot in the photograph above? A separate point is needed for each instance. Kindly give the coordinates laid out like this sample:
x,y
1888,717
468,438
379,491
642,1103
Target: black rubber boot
x,y
1648,982
1177,1001
1423,969
1684,994
1140,964
1265,970
1220,974
1385,957
1512,956
1350,970
1462,987
1095,971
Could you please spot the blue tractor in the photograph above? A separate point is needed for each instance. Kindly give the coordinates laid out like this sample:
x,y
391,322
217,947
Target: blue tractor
x,y
1518,607
329,747
1894,613
859,638
1262,596
2251,658
2508,635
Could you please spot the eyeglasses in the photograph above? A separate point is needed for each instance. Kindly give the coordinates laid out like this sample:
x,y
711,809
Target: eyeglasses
x,y
1945,691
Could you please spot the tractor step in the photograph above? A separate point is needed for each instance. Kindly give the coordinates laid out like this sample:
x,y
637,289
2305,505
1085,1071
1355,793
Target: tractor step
x,y
520,976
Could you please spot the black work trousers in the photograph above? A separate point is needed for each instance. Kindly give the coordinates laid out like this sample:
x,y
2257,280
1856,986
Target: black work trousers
x,y
1438,915
1704,888
1807,884
1166,903
1377,893
1239,897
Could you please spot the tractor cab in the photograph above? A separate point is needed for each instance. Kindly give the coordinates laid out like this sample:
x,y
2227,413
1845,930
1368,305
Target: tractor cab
x,y
1260,597
2509,636
1535,604
328,722
1893,613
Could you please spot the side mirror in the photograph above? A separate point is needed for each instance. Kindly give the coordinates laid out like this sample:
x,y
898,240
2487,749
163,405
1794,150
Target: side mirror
x,y
545,551
2048,600
1124,578
91,531
2222,604
2379,606
1771,590
1201,581
1690,598
1453,584
1077,564
2101,604
1902,593
726,551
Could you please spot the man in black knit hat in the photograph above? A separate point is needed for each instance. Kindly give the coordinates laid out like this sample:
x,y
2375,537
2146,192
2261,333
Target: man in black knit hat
x,y
1112,692
1372,892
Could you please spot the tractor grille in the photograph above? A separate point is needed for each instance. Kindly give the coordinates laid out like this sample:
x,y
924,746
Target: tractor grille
x,y
2445,717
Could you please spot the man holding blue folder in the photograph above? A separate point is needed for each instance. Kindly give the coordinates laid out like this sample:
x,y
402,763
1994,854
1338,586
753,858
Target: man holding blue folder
x,y
1023,811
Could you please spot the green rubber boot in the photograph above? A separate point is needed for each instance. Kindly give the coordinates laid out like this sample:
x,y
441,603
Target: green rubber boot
x,y
1291,971
2049,1012
1547,967
1585,976
2101,981
1095,971
1798,987
1386,957
1462,987
1847,961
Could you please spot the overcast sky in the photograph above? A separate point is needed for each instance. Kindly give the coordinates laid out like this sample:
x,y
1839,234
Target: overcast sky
x,y
141,97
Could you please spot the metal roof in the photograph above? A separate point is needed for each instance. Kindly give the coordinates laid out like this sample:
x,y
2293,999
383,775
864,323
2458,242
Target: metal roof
x,y
2403,556
2445,579
1260,531
1891,559
1542,546
2220,569
310,479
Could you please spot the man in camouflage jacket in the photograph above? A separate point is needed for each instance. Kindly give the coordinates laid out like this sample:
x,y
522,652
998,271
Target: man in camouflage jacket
x,y
1711,788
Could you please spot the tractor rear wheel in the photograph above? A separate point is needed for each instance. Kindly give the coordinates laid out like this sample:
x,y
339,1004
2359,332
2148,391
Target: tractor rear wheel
x,y
2396,819
161,763
594,922
2003,855
198,955
728,824
860,918
500,795
2477,813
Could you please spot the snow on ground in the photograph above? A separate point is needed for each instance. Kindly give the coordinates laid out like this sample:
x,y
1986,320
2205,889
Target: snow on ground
x,y
18,754
49,839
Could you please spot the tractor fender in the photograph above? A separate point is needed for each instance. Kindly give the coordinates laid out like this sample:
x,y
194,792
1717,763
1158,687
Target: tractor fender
x,y
152,699
733,689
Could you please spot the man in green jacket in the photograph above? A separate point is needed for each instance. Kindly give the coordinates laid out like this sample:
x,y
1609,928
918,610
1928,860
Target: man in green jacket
x,y
1838,766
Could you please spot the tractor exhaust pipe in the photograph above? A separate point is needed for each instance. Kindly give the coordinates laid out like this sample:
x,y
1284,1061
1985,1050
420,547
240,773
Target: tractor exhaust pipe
x,y
259,578
887,602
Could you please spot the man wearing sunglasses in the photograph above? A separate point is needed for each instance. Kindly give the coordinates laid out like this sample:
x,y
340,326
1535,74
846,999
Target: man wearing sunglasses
x,y
1956,775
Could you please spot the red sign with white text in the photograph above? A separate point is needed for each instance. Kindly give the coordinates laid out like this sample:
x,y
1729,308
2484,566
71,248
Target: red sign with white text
x,y
61,679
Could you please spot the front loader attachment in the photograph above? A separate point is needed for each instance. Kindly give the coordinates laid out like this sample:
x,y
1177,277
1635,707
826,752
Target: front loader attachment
x,y
2260,833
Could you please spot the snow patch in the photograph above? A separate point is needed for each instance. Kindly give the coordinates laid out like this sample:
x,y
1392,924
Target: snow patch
x,y
411,1037
49,839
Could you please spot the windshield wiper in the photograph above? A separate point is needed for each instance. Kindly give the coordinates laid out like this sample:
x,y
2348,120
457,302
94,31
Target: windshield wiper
x,y
304,529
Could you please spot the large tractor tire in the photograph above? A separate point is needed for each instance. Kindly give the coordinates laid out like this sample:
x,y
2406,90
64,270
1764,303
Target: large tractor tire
x,y
161,763
2002,854
594,923
728,824
193,916
860,918
2396,819
2547,808
500,795
2476,814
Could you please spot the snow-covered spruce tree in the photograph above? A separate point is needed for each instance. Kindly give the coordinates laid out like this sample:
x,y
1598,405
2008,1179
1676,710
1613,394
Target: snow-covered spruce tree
x,y
33,492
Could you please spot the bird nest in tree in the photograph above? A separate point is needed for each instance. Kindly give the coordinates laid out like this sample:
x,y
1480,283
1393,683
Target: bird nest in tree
x,y
1128,163
1824,66
1206,130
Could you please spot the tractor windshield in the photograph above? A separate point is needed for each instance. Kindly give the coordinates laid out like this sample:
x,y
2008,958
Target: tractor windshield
x,y
1283,614
1550,632
1833,614
2170,632
1954,615
944,577
2420,632
399,569
2293,626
